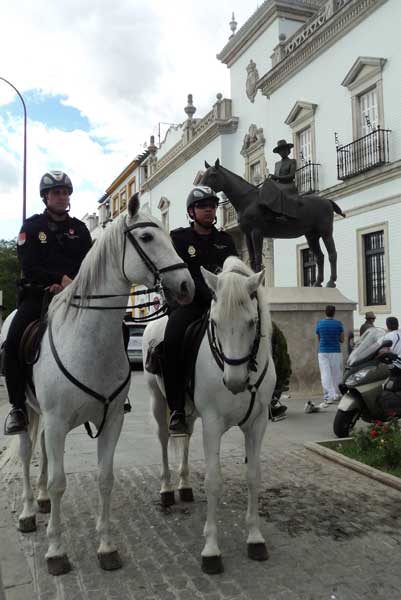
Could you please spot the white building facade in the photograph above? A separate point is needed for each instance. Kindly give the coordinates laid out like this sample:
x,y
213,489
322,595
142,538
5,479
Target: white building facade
x,y
325,75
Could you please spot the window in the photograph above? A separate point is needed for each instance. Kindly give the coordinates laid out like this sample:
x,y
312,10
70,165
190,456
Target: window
x,y
368,112
132,187
373,269
255,173
375,291
365,83
115,206
308,268
123,199
304,146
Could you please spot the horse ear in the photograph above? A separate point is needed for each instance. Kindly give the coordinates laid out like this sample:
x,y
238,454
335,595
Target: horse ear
x,y
210,278
217,163
207,165
254,281
133,205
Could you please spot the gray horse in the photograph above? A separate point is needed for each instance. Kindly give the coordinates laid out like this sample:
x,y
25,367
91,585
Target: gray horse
x,y
259,208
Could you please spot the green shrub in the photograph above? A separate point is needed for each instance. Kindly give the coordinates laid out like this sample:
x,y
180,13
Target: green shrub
x,y
382,442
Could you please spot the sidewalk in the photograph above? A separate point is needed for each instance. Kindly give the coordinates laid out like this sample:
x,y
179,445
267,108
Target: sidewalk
x,y
331,534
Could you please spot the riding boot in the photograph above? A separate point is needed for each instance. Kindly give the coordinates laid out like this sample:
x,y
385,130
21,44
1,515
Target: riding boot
x,y
178,424
16,421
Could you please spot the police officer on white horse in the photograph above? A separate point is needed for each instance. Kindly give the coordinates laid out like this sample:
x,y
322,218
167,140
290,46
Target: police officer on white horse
x,y
201,244
51,247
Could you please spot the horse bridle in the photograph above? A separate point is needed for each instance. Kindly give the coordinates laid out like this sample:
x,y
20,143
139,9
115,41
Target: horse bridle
x,y
221,358
157,286
250,358
148,261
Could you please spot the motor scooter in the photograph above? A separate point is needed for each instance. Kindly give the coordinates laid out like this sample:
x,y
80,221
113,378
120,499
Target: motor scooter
x,y
363,397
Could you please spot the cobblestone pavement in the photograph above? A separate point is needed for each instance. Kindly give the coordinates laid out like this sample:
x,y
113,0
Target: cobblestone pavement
x,y
332,535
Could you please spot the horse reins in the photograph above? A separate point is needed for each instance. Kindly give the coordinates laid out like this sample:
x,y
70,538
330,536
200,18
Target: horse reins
x,y
250,358
106,400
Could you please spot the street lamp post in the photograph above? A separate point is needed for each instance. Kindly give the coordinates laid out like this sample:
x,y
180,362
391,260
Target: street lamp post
x,y
24,167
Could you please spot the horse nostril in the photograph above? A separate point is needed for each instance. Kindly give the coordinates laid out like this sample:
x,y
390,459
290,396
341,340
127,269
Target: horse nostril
x,y
184,287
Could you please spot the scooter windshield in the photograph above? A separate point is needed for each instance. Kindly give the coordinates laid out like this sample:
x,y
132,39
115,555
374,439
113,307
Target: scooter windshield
x,y
367,345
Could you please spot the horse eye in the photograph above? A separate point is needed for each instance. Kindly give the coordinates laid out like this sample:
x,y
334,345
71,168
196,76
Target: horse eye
x,y
146,237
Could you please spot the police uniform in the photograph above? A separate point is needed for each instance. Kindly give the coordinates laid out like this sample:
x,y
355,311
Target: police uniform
x,y
47,250
210,252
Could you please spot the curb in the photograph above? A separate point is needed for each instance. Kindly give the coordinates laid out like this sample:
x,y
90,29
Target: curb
x,y
350,463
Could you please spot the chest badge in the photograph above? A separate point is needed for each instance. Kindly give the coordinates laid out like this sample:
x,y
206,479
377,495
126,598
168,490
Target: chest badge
x,y
191,250
42,237
71,231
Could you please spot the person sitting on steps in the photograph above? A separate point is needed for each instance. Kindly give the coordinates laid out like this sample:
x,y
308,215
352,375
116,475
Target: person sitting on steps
x,y
51,247
200,244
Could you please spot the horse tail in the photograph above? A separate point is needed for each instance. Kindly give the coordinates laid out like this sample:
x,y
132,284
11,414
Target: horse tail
x,y
337,209
10,458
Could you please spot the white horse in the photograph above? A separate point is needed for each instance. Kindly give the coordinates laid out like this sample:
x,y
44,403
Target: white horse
x,y
234,382
85,343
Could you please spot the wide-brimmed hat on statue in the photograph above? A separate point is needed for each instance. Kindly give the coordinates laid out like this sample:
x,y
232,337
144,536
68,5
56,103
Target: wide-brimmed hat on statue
x,y
282,144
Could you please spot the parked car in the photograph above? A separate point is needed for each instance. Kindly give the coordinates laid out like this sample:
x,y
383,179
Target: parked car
x,y
135,343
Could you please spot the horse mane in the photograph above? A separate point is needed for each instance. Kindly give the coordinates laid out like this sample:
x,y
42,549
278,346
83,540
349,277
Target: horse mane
x,y
105,254
235,291
241,179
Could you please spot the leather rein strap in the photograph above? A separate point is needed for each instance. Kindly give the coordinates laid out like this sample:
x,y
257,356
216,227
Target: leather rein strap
x,y
106,400
220,359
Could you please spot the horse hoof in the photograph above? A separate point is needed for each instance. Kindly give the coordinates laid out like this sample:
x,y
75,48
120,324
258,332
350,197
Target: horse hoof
x,y
110,561
258,551
58,565
167,499
27,524
186,494
330,284
212,565
44,506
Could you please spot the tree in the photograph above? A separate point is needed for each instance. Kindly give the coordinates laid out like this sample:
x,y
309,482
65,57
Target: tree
x,y
9,274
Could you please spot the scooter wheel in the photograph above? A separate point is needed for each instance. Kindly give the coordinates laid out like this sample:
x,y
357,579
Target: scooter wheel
x,y
344,422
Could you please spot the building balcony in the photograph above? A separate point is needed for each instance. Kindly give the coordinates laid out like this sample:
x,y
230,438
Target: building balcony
x,y
307,178
364,154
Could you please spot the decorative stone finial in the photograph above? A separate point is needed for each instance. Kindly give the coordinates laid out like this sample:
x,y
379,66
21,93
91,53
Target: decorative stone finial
x,y
152,146
190,109
282,37
219,97
233,25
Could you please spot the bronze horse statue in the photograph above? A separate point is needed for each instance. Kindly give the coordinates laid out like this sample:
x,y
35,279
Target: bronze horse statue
x,y
257,211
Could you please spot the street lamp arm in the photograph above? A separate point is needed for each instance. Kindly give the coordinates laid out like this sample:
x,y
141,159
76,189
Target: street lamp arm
x,y
24,161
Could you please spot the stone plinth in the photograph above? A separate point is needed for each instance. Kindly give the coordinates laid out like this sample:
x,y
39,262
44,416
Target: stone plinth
x,y
296,311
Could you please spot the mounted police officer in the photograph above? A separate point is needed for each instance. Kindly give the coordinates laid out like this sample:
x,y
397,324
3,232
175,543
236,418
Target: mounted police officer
x,y
51,247
201,244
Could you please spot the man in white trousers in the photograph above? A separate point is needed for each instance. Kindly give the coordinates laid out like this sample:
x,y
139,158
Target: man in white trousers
x,y
330,334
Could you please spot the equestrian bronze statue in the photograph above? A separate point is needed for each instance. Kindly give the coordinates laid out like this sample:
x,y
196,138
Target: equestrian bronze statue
x,y
267,211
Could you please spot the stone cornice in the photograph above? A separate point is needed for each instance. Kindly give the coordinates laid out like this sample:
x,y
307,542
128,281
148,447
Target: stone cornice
x,y
363,181
182,152
301,49
261,19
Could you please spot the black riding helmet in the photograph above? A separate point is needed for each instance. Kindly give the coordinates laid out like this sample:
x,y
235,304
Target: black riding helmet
x,y
54,179
200,193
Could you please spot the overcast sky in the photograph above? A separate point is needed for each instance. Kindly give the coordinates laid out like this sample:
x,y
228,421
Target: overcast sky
x,y
97,77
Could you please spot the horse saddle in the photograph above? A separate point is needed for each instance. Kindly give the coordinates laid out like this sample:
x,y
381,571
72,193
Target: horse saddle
x,y
281,199
29,348
190,348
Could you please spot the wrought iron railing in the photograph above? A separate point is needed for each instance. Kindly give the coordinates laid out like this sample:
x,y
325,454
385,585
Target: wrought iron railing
x,y
307,178
370,151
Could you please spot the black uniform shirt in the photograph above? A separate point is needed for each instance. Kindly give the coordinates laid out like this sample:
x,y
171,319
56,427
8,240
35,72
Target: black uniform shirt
x,y
49,249
209,251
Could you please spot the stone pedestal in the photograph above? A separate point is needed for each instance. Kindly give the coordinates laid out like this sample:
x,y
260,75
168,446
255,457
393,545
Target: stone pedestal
x,y
296,311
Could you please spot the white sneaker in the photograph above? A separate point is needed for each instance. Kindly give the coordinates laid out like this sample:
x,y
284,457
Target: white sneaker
x,y
310,407
325,403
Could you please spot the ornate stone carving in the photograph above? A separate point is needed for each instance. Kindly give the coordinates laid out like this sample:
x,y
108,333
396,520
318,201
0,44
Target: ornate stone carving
x,y
254,137
251,81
